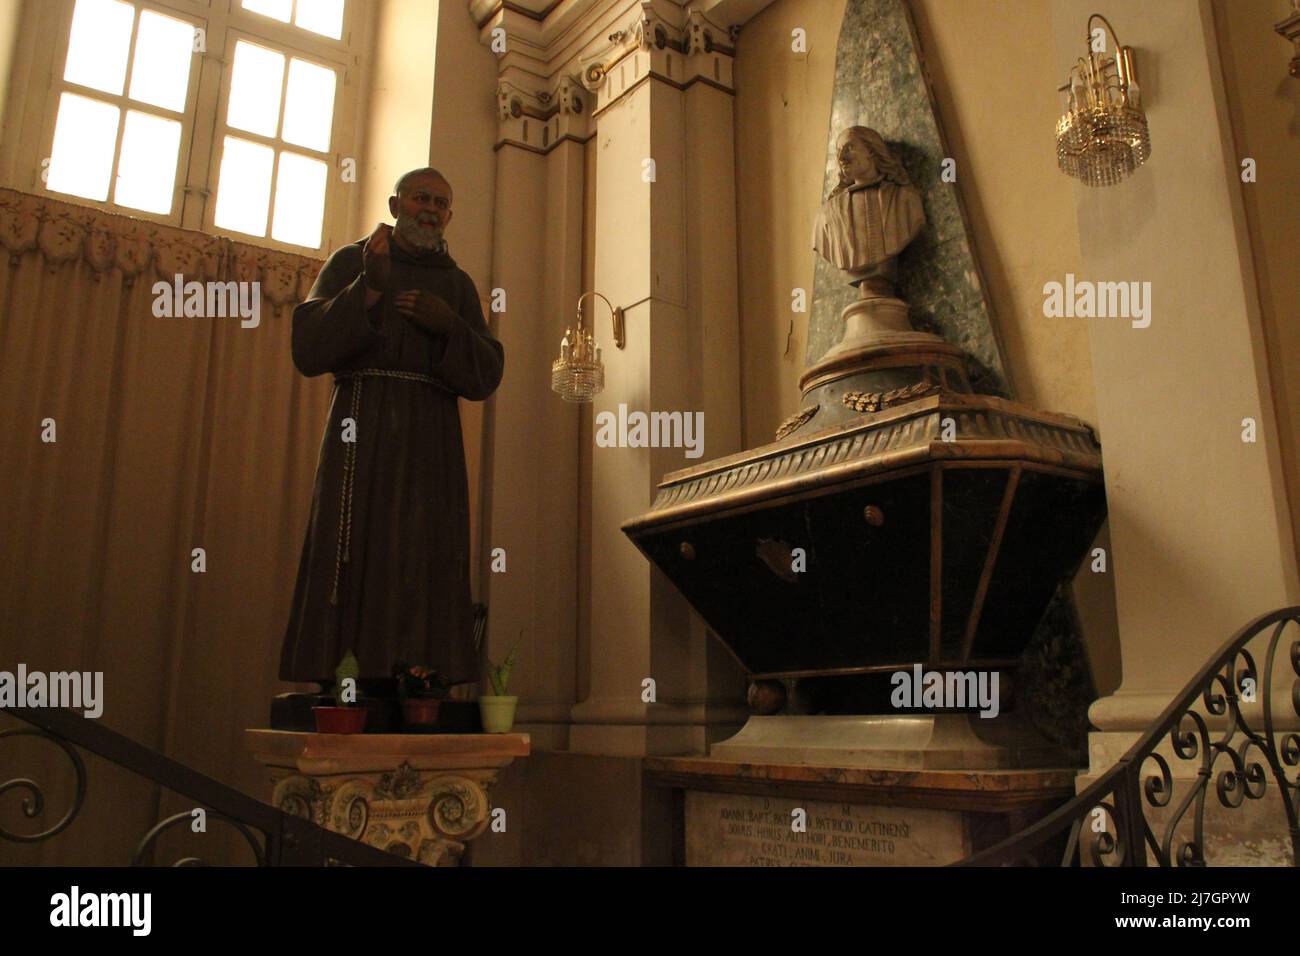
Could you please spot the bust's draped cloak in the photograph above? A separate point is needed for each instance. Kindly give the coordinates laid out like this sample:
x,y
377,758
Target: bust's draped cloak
x,y
390,580
862,226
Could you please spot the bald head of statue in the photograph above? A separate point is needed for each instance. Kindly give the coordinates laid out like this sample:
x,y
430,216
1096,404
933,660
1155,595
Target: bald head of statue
x,y
421,208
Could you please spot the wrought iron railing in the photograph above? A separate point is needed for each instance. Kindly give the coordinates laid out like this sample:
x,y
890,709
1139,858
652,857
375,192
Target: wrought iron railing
x,y
275,837
1107,824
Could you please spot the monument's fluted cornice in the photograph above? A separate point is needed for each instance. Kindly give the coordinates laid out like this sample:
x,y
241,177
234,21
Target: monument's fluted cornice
x,y
987,429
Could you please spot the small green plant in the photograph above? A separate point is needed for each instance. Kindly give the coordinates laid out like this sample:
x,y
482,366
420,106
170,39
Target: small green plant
x,y
500,675
348,668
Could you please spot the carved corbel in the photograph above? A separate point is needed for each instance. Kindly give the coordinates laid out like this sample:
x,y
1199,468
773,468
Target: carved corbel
x,y
635,36
1290,29
658,34
705,36
562,112
515,102
571,96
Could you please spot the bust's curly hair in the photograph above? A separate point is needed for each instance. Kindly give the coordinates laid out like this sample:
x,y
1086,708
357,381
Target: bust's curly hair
x,y
890,168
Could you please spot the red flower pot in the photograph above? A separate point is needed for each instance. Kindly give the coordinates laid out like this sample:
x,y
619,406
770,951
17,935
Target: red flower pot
x,y
340,720
420,711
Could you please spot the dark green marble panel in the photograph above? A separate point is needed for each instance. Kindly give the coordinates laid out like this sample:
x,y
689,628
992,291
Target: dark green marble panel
x,y
880,83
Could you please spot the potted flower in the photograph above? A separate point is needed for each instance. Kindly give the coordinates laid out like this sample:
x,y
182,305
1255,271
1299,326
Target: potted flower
x,y
498,709
345,717
421,690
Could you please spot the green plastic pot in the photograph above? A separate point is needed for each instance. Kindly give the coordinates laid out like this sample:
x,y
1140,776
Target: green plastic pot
x,y
498,713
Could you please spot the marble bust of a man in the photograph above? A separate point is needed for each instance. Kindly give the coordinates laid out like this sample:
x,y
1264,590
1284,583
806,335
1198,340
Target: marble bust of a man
x,y
870,215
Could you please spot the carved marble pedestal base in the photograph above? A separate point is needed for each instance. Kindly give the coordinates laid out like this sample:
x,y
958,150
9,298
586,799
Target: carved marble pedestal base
x,y
422,796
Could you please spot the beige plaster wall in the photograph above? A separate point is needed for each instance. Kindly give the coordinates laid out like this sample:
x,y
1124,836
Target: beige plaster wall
x,y
1264,103
9,15
400,114
15,69
783,107
462,131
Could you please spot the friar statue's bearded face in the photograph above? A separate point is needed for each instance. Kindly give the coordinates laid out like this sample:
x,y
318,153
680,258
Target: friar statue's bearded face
x,y
422,209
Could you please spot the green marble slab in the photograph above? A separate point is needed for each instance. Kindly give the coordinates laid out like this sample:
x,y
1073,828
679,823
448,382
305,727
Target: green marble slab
x,y
880,82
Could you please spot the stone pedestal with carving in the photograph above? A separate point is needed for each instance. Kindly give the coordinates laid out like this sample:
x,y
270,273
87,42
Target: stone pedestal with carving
x,y
422,796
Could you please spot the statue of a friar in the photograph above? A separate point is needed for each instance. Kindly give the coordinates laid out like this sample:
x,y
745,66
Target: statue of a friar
x,y
385,566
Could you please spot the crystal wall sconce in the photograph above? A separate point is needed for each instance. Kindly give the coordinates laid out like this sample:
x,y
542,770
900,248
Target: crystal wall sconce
x,y
578,375
1103,136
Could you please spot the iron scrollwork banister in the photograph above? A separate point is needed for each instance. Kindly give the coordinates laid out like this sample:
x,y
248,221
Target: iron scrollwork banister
x,y
287,840
1117,797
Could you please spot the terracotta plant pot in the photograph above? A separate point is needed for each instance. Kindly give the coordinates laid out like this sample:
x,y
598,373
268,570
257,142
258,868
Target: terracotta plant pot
x,y
420,711
498,713
340,720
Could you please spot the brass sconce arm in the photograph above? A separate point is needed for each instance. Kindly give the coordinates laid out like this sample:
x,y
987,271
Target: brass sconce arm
x,y
1092,70
1110,29
620,330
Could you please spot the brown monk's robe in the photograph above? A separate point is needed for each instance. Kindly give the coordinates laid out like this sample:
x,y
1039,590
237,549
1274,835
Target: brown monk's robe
x,y
390,583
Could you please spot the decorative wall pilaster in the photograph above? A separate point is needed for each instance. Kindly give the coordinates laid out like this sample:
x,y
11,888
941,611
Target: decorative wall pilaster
x,y
585,97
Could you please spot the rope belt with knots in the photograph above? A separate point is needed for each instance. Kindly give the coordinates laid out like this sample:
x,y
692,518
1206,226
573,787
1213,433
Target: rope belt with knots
x,y
357,377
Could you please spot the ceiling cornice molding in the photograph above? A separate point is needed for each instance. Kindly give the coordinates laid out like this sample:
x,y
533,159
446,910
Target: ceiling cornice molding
x,y
554,29
553,76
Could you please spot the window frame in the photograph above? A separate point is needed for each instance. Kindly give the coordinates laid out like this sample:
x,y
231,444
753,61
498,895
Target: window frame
x,y
203,121
58,86
331,157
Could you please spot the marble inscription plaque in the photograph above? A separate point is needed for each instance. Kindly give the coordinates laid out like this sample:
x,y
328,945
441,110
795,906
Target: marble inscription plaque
x,y
726,829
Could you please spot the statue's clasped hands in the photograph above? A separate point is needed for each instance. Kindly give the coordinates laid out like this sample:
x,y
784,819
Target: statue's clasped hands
x,y
426,310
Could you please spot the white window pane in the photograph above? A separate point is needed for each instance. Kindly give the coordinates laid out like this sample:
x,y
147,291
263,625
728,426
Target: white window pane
x,y
99,44
160,69
275,9
321,16
299,200
244,189
146,168
255,89
308,105
84,136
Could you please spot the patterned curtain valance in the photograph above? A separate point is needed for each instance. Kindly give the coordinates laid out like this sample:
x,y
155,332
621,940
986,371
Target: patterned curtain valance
x,y
63,232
